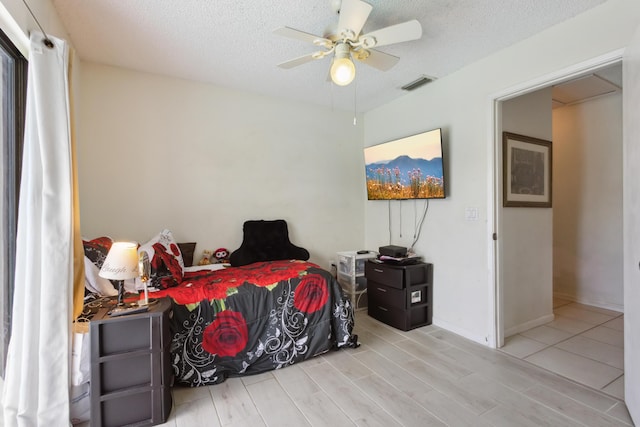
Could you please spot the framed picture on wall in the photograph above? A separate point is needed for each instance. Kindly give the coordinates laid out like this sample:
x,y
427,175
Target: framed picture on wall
x,y
526,171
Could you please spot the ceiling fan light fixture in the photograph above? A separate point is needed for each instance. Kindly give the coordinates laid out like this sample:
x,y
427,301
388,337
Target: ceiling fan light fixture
x,y
346,42
343,71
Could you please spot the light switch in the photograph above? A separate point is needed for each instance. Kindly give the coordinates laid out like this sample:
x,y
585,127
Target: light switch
x,y
471,214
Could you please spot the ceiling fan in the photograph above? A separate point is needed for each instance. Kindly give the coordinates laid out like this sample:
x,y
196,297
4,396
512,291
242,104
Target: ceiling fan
x,y
347,42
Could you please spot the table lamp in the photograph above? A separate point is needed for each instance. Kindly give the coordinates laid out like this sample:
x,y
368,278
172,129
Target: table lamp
x,y
121,264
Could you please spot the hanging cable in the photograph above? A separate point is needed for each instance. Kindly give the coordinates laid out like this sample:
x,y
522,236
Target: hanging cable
x,y
389,221
47,41
415,217
419,229
400,218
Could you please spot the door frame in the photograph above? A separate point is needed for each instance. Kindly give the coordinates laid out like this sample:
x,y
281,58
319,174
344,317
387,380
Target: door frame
x,y
494,205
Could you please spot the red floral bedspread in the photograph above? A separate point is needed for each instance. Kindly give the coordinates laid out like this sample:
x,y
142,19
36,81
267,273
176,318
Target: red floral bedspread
x,y
247,320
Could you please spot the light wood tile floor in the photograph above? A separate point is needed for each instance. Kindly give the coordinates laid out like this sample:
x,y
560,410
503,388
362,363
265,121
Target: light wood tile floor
x,y
583,343
427,376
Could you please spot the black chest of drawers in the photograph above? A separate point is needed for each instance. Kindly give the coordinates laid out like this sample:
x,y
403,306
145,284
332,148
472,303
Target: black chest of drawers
x,y
400,295
131,371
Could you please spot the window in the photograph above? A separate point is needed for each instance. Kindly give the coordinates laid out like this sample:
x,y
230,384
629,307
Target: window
x,y
12,111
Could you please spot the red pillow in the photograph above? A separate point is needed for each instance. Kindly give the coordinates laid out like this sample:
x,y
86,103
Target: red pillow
x,y
167,264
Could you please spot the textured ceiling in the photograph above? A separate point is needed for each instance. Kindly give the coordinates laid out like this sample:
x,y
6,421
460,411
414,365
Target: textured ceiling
x,y
231,42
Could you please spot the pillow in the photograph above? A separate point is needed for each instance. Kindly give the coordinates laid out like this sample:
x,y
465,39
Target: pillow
x,y
95,252
96,284
266,241
187,250
166,260
97,249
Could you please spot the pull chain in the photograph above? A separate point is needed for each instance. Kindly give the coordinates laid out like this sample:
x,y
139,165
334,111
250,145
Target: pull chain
x,y
355,98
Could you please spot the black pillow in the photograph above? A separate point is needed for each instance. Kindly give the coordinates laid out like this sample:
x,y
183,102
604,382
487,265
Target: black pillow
x,y
187,250
266,241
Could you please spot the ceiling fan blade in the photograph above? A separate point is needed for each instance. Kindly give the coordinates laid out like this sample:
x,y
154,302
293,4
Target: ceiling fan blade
x,y
410,30
353,15
298,61
376,59
301,35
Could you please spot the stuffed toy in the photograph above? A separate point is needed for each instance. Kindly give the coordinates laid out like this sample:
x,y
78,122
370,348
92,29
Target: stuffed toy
x,y
206,257
221,255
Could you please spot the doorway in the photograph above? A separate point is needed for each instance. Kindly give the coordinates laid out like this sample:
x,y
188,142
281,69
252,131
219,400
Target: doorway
x,y
536,309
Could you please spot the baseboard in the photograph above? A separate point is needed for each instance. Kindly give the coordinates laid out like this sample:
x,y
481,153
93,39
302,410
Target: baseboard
x,y
568,297
586,301
528,325
463,333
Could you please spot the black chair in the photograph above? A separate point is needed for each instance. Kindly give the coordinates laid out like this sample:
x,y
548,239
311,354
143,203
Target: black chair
x,y
266,241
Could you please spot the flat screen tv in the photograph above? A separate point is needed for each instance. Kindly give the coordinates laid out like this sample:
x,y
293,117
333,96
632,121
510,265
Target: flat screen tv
x,y
406,168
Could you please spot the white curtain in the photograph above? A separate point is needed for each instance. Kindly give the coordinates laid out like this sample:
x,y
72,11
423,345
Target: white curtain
x,y
37,381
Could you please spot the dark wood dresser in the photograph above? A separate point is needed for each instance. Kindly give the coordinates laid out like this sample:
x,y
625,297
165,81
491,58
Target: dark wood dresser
x,y
400,295
131,371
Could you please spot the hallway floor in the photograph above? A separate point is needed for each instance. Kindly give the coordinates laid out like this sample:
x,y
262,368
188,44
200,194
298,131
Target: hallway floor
x,y
583,343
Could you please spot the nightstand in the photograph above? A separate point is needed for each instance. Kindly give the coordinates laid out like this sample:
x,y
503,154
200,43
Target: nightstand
x,y
131,371
400,295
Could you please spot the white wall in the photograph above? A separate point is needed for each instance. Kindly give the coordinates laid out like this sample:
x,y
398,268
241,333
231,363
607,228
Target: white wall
x,y
198,159
527,233
460,103
587,213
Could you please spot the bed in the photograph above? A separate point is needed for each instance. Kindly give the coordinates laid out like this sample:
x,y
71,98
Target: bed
x,y
271,308
253,318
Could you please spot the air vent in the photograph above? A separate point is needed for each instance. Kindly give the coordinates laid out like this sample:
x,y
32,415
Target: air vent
x,y
423,80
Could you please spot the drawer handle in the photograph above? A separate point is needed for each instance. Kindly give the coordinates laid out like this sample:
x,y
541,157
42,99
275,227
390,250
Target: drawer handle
x,y
382,308
378,270
381,289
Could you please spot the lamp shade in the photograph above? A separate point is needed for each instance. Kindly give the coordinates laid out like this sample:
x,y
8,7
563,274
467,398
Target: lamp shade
x,y
121,262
